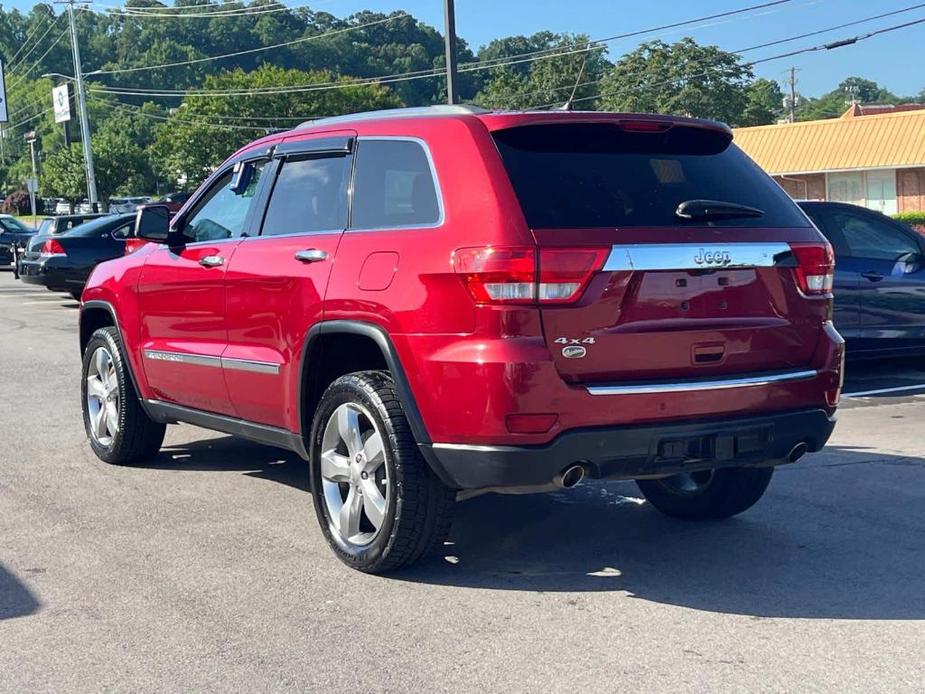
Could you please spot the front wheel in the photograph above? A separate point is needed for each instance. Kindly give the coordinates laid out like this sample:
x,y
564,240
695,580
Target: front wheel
x,y
707,494
379,505
119,430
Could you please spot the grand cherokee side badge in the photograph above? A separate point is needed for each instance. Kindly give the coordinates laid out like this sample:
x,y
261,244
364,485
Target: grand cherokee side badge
x,y
573,346
574,352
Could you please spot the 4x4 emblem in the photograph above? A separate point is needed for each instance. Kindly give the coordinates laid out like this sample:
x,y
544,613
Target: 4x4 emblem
x,y
713,257
574,348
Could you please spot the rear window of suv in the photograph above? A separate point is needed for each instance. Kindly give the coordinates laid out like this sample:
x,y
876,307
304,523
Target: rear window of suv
x,y
598,175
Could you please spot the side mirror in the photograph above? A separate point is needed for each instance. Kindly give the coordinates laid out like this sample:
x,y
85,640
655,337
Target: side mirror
x,y
152,223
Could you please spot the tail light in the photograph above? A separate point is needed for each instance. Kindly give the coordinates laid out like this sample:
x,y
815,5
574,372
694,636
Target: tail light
x,y
52,247
815,270
133,244
525,275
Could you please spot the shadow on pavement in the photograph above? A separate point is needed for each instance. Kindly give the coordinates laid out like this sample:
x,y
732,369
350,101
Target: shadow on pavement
x,y
839,535
236,455
827,542
15,599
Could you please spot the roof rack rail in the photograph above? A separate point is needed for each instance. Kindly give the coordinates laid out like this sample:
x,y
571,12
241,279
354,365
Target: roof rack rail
x,y
412,112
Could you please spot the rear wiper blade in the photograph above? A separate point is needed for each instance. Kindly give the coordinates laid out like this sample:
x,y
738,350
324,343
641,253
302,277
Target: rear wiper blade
x,y
715,209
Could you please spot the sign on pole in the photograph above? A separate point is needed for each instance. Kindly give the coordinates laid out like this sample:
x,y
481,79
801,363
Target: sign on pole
x,y
3,110
61,98
32,185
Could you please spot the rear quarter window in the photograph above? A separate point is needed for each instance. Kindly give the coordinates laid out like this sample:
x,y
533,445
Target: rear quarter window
x,y
597,175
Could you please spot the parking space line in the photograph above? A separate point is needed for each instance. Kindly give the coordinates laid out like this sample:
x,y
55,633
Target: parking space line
x,y
882,391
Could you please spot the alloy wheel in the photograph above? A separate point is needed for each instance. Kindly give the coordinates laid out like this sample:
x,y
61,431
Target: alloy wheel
x,y
354,476
103,397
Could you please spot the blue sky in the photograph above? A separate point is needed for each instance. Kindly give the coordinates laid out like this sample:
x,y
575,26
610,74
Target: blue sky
x,y
893,59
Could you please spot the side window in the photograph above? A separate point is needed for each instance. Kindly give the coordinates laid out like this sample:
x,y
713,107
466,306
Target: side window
x,y
310,195
123,232
830,228
869,237
221,213
393,186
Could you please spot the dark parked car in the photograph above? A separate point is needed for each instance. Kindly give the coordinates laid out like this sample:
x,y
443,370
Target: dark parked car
x,y
879,279
174,201
63,262
13,235
64,222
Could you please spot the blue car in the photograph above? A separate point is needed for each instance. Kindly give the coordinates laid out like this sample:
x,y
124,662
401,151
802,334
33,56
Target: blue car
x,y
879,279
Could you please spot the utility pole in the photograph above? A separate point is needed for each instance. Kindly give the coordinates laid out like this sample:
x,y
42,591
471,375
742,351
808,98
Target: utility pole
x,y
449,14
30,138
793,95
82,105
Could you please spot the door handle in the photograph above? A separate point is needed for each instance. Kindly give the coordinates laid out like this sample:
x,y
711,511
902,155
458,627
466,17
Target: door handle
x,y
872,275
211,261
311,255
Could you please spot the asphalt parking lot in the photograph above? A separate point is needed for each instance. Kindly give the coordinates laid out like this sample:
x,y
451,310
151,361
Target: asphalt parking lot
x,y
206,570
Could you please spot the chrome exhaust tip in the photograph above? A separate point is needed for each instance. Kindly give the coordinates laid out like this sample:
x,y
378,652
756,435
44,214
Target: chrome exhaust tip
x,y
570,476
797,452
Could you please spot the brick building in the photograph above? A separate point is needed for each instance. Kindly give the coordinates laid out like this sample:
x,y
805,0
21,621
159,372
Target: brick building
x,y
871,156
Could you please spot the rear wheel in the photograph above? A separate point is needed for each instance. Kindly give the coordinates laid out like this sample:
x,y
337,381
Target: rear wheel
x,y
119,430
379,504
707,494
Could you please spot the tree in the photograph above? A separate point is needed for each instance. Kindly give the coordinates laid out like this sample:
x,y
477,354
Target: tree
x,y
205,130
63,175
835,103
682,78
570,70
764,103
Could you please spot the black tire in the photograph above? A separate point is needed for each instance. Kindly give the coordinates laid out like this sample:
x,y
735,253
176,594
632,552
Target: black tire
x,y
715,494
76,294
419,509
138,438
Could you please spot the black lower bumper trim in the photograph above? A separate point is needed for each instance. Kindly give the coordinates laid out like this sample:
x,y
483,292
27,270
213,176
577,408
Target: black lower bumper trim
x,y
630,452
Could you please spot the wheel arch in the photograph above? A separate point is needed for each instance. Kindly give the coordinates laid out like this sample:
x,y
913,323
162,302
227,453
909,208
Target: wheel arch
x,y
338,347
96,314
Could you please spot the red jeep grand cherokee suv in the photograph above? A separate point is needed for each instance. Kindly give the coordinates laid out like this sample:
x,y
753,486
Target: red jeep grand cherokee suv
x,y
441,301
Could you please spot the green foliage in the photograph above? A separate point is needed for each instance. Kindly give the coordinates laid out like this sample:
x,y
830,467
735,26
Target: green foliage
x,y
63,174
836,102
204,130
764,103
683,78
913,219
546,82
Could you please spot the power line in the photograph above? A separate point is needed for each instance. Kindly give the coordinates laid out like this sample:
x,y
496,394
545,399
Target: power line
x,y
650,30
168,12
185,121
777,42
23,75
38,42
249,51
515,59
821,47
29,35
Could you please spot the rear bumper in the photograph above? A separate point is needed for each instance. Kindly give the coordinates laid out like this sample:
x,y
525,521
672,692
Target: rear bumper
x,y
43,272
630,452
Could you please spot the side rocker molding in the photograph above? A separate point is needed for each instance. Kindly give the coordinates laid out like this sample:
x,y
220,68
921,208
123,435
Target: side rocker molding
x,y
168,413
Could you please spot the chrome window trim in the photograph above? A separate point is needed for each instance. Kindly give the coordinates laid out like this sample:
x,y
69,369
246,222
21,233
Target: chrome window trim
x,y
438,191
681,256
251,365
705,384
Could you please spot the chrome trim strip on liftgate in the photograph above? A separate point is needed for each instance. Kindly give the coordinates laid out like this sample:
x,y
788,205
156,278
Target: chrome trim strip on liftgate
x,y
263,367
714,384
694,256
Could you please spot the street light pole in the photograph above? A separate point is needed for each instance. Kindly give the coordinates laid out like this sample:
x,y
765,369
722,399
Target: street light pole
x,y
449,15
30,138
82,108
